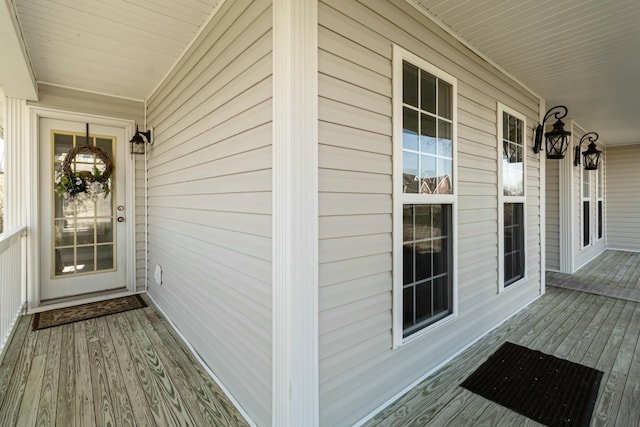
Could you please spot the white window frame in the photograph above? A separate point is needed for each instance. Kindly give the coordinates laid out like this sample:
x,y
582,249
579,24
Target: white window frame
x,y
589,198
502,199
599,199
400,198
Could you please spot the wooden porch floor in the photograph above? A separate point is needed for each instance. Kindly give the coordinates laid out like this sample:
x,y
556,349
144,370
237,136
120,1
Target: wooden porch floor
x,y
120,370
594,330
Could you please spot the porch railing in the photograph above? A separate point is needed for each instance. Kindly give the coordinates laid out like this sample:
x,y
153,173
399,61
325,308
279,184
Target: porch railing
x,y
12,278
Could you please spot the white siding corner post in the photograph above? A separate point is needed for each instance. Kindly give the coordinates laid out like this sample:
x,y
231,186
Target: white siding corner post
x,y
295,400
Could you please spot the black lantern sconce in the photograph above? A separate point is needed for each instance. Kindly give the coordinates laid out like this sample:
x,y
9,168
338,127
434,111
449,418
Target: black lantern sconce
x,y
139,141
557,139
592,155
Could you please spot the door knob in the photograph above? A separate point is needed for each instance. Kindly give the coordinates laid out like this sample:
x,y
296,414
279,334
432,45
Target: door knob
x,y
120,219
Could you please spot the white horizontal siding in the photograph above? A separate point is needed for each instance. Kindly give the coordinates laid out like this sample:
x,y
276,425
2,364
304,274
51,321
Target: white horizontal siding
x,y
358,369
623,197
210,199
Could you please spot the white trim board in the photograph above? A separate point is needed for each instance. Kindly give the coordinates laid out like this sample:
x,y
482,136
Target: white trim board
x,y
295,342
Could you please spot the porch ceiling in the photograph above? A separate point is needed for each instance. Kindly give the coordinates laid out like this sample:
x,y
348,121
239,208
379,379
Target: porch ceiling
x,y
580,53
116,47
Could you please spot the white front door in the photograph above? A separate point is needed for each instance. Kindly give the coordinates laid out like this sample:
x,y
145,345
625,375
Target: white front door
x,y
82,243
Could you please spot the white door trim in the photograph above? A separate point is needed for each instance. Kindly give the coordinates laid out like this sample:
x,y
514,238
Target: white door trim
x,y
33,245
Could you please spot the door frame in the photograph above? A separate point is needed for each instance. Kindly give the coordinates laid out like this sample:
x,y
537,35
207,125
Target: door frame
x,y
33,214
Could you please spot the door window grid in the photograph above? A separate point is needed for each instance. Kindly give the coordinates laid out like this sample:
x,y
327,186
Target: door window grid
x,y
84,239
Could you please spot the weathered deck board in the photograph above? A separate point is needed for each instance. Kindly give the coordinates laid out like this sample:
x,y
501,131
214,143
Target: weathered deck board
x,y
47,406
122,370
595,330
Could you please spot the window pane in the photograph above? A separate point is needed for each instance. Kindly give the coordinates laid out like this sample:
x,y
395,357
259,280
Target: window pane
x,y
408,275
444,138
512,155
600,228
408,308
428,134
410,84
428,174
64,263
586,226
445,106
427,92
61,146
105,257
426,266
64,233
106,145
409,129
441,295
85,256
410,172
444,183
514,244
423,301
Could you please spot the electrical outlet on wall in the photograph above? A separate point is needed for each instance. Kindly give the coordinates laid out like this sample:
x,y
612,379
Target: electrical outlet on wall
x,y
158,275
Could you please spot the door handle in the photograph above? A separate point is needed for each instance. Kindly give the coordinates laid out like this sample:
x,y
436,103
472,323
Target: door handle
x,y
120,219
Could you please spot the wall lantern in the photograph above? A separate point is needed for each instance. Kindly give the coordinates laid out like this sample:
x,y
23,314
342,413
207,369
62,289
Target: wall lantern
x,y
557,139
592,155
140,141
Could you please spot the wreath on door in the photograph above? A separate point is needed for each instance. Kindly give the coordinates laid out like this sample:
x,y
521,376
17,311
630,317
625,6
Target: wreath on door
x,y
83,186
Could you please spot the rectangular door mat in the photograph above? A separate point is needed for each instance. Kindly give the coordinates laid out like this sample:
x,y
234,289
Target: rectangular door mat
x,y
547,389
61,316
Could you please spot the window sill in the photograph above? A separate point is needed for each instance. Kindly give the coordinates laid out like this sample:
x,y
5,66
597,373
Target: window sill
x,y
428,329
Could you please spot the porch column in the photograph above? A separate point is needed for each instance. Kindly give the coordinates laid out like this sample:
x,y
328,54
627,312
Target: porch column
x,y
17,177
295,213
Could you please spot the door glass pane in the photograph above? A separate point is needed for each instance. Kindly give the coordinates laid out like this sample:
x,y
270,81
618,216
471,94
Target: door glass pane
x,y
82,221
85,259
64,233
64,264
105,257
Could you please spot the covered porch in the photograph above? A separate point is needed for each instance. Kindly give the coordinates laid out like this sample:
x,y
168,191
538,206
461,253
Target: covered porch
x,y
598,331
131,368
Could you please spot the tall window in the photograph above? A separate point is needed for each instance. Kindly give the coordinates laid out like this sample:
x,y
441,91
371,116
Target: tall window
x,y
513,199
600,200
424,194
586,207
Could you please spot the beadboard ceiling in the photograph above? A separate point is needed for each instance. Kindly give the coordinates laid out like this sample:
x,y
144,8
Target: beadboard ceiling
x,y
584,54
580,53
116,47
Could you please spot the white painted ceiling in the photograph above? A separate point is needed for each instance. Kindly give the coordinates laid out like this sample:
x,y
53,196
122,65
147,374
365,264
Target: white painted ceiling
x,y
584,54
116,47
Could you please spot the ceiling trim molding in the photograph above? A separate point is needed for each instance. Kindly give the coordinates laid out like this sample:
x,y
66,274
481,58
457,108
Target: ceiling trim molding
x,y
469,46
16,71
93,92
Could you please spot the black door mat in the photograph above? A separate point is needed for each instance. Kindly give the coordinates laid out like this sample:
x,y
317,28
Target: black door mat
x,y
62,316
547,389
